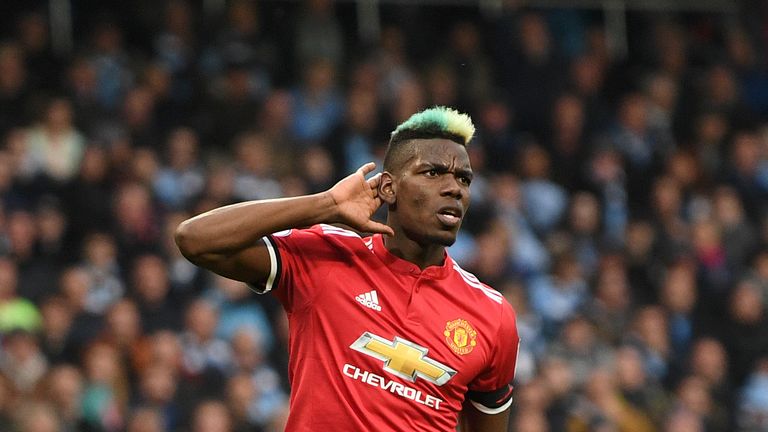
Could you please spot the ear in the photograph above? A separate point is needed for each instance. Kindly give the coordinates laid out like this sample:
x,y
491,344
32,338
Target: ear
x,y
387,187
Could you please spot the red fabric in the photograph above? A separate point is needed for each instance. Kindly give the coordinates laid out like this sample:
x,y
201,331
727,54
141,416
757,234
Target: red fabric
x,y
338,388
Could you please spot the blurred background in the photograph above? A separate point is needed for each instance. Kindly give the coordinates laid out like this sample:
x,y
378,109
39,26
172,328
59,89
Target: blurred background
x,y
620,199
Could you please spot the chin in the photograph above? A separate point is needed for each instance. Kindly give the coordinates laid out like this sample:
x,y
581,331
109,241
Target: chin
x,y
444,238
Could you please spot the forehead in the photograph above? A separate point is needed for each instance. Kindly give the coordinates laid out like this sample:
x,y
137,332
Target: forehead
x,y
438,150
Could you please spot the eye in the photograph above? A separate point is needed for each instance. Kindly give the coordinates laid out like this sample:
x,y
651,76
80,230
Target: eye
x,y
431,173
465,180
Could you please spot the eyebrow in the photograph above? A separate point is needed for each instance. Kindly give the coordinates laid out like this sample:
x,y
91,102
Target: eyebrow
x,y
443,168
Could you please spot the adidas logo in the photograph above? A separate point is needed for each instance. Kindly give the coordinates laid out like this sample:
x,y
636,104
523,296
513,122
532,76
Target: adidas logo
x,y
370,300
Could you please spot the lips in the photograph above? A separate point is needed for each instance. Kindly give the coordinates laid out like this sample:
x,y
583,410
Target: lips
x,y
450,216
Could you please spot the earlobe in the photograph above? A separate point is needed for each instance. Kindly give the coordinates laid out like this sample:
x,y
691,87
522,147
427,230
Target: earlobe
x,y
387,188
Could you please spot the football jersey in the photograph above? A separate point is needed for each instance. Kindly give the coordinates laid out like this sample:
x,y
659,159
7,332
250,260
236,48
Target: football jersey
x,y
377,344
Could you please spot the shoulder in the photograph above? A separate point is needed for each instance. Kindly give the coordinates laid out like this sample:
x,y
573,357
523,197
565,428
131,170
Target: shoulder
x,y
470,282
323,235
487,300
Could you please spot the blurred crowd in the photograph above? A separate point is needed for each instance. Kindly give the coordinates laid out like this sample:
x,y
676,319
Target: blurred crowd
x,y
620,203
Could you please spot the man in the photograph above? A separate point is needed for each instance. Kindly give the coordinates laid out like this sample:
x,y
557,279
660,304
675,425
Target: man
x,y
387,333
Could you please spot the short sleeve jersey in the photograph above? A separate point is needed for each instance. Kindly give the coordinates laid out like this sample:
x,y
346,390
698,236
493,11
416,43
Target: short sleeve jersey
x,y
377,344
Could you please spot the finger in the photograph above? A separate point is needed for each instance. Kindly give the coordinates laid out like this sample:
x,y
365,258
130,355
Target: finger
x,y
378,227
367,168
374,181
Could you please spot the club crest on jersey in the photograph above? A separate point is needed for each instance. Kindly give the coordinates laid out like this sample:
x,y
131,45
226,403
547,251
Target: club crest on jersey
x,y
460,336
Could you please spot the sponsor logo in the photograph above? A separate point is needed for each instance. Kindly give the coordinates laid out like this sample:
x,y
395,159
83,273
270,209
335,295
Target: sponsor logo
x,y
460,336
393,387
403,358
369,300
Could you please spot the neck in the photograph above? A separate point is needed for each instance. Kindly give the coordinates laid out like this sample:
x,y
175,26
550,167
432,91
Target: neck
x,y
423,255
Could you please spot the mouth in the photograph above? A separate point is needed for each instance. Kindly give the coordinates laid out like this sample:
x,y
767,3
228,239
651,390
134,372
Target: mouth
x,y
450,216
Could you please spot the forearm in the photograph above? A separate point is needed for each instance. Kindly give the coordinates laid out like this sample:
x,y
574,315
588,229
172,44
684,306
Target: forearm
x,y
227,230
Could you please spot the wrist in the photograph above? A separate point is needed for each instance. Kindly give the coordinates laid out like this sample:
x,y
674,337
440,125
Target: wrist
x,y
327,208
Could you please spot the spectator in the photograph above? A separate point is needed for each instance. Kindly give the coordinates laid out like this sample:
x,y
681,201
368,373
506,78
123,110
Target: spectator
x,y
531,63
578,346
136,223
709,361
558,296
602,408
74,285
612,303
211,416
741,331
250,364
529,329
145,420
175,48
55,147
648,333
105,395
242,42
182,178
86,199
240,393
694,396
566,140
37,417
14,87
753,406
157,391
253,178
15,312
544,201
151,288
318,34
57,340
35,270
105,282
317,104
22,360
122,328
202,350
111,63
679,298
355,141
642,393
239,311
63,385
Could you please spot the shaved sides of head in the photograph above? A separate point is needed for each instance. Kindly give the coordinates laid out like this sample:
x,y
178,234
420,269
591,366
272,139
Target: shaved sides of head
x,y
436,122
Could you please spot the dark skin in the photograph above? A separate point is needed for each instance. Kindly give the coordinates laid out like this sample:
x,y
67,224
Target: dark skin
x,y
427,196
434,178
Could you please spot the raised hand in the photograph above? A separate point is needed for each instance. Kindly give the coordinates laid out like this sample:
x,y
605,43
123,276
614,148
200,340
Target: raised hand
x,y
357,200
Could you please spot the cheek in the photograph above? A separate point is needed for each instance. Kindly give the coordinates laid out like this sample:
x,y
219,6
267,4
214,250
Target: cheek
x,y
418,200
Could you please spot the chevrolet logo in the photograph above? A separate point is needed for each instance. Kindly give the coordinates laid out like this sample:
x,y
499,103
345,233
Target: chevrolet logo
x,y
403,358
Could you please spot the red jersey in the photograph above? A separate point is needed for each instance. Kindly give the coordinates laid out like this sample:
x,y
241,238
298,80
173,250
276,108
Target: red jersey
x,y
376,344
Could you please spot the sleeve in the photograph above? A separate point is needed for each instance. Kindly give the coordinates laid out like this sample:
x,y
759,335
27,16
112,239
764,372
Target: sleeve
x,y
491,391
299,260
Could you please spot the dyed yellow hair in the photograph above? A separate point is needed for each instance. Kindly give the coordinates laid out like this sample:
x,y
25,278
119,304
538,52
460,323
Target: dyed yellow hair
x,y
436,122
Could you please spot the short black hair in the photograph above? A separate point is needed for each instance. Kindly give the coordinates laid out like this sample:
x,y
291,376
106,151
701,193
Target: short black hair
x,y
436,122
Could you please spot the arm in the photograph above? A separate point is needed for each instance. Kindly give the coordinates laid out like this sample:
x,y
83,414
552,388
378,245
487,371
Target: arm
x,y
472,420
489,410
227,240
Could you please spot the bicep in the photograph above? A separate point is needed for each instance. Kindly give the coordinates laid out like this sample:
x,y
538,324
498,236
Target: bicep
x,y
473,420
252,265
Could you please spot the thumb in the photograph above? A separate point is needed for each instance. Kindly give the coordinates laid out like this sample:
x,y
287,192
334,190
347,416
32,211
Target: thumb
x,y
380,228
